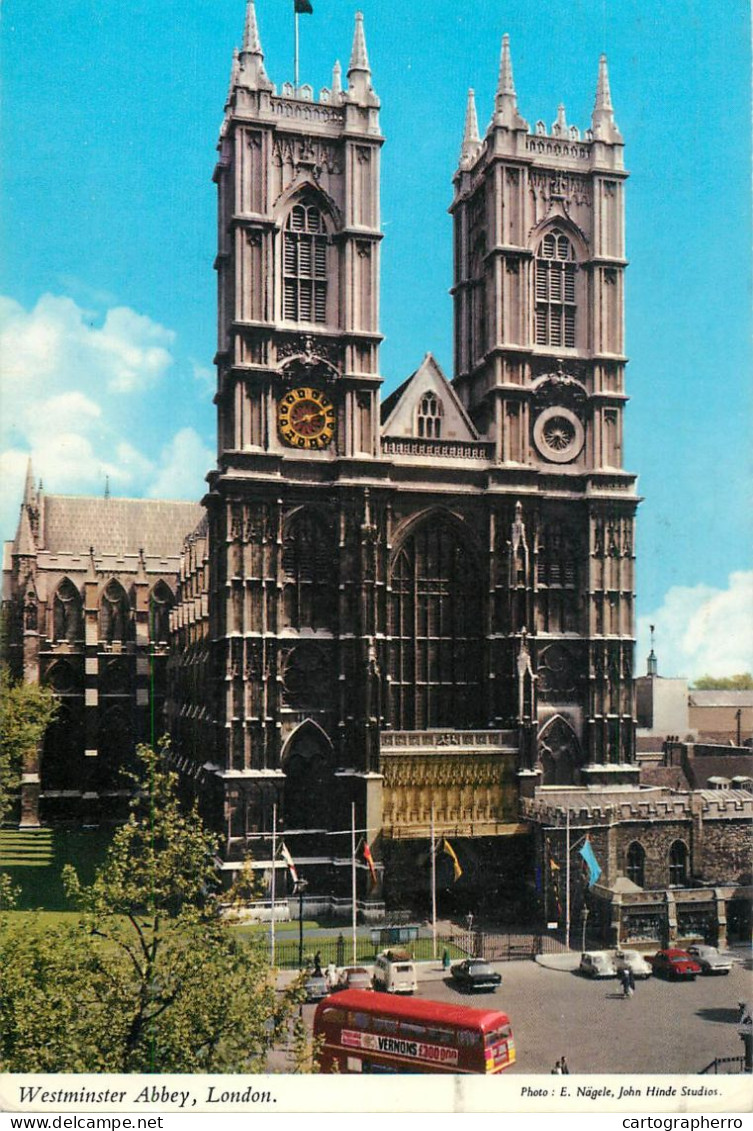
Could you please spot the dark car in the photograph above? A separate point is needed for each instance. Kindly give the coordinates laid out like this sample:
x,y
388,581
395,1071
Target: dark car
x,y
316,987
675,964
475,974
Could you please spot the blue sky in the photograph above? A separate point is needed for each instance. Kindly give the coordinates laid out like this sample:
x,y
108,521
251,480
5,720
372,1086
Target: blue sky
x,y
107,314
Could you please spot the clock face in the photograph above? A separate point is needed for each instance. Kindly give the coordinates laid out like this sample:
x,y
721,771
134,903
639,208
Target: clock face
x,y
306,418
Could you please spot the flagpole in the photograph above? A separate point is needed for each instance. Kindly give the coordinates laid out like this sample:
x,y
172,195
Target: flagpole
x,y
274,872
567,882
433,888
295,69
353,870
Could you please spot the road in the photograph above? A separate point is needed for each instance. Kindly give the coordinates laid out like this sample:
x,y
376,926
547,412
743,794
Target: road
x,y
666,1027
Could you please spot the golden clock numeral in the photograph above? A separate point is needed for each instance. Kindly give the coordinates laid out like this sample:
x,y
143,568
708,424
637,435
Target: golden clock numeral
x,y
289,399
324,402
301,394
313,442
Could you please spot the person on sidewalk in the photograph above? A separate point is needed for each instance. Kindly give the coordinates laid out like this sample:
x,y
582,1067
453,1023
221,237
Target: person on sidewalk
x,y
563,1067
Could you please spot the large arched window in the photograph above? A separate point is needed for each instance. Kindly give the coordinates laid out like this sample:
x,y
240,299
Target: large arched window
x,y
678,864
304,287
555,291
429,417
636,864
160,603
68,621
435,629
310,582
114,614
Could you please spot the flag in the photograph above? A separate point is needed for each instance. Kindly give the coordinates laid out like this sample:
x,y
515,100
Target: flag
x,y
289,861
553,870
303,6
370,861
447,847
594,870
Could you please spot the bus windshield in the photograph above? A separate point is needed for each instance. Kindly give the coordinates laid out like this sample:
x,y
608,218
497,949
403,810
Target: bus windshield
x,y
367,1032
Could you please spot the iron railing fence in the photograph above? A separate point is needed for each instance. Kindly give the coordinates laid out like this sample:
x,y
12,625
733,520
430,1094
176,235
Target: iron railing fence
x,y
724,1065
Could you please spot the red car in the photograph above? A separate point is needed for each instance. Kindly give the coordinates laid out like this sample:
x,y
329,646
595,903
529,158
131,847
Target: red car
x,y
674,964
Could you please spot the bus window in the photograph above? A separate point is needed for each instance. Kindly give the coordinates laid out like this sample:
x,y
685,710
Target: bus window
x,y
384,1025
468,1038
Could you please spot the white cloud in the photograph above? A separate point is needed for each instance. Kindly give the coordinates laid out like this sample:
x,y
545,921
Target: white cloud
x,y
701,630
183,464
69,376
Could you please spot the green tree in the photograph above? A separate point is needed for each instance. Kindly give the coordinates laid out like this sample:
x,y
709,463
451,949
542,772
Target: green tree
x,y
741,682
153,979
26,710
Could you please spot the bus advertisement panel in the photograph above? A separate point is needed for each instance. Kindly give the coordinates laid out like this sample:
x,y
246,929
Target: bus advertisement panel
x,y
374,1032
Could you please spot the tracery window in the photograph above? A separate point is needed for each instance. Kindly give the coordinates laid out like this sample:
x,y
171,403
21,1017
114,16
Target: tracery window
x,y
160,603
67,618
304,297
555,273
678,864
636,863
430,414
435,629
310,579
557,579
114,614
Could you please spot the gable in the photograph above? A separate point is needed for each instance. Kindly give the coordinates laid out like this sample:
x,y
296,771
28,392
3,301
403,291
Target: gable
x,y
426,406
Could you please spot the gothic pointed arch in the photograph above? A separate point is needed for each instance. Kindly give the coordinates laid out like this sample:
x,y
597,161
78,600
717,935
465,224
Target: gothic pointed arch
x,y
68,621
559,250
114,613
309,580
678,864
307,259
435,626
160,603
635,863
308,764
559,752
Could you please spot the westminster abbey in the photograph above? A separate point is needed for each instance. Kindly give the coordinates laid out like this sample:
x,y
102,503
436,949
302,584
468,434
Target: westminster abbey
x,y
402,614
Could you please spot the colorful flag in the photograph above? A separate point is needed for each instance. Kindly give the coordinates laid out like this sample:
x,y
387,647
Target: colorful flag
x,y
370,861
303,6
553,873
289,861
447,847
594,870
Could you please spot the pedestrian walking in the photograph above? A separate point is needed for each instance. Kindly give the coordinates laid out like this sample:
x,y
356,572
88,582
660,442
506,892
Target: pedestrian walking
x,y
631,982
557,1070
625,981
563,1067
317,964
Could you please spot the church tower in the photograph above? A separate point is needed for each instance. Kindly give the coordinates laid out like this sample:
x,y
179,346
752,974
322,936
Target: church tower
x,y
539,365
287,643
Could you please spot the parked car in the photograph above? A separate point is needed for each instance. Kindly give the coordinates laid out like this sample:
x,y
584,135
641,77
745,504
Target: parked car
x,y
475,974
394,972
353,978
597,964
633,961
316,987
675,964
709,959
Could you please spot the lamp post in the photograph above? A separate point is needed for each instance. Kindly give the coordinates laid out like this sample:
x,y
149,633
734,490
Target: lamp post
x,y
300,888
585,920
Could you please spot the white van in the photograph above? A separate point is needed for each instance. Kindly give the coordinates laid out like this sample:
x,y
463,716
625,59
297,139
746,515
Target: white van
x,y
394,972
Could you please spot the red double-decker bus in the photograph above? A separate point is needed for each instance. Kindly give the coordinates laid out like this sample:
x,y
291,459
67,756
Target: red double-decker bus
x,y
360,1031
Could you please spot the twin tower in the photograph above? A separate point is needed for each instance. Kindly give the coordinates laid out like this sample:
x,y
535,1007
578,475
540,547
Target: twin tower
x,y
414,607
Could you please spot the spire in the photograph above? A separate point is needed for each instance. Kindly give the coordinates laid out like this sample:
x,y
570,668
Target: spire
x,y
251,41
652,665
559,129
359,60
29,493
602,120
506,83
359,72
234,73
506,102
24,544
251,73
337,82
471,139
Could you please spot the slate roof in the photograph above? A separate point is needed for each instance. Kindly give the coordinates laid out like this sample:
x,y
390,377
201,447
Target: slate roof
x,y
721,698
72,524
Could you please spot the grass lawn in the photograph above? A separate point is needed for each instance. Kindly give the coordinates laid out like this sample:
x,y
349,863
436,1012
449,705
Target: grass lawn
x,y
34,859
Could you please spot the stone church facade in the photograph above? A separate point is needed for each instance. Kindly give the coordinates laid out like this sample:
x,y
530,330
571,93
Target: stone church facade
x,y
402,616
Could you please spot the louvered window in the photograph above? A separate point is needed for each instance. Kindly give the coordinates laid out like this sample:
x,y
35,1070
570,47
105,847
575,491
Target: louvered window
x,y
555,291
304,288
